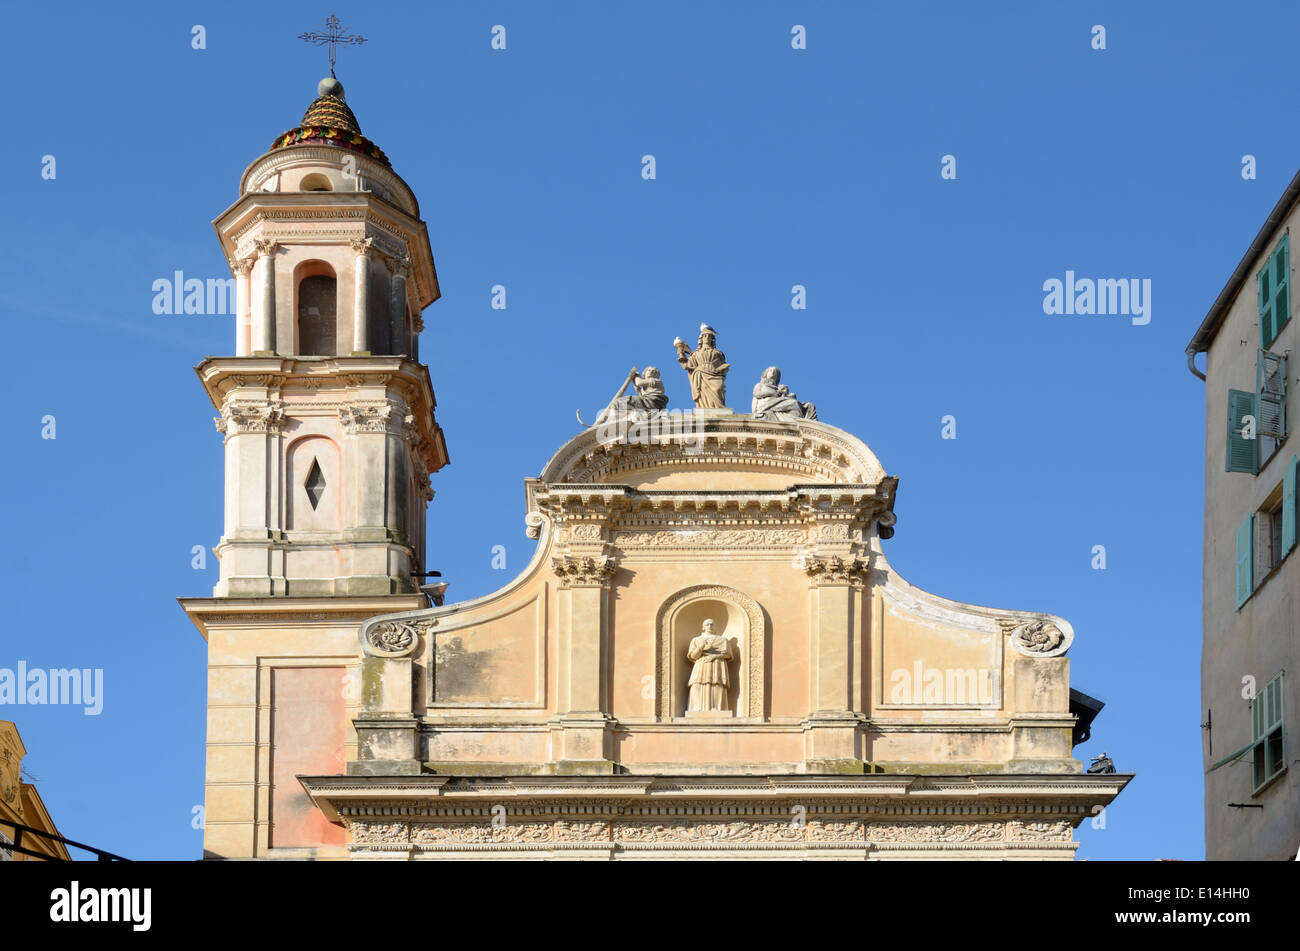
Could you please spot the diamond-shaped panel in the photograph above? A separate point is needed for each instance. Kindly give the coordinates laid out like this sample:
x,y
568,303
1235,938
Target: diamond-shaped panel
x,y
315,484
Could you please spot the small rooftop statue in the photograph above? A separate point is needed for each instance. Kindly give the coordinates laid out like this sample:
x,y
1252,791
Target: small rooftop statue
x,y
772,400
650,396
707,368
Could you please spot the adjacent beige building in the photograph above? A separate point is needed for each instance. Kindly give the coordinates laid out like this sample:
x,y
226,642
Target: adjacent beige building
x,y
709,654
1251,588
21,805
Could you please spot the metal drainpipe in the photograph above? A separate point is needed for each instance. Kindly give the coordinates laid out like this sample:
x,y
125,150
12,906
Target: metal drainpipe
x,y
1191,365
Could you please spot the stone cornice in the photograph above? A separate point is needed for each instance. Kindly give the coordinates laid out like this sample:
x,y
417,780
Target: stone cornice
x,y
265,380
838,504
884,795
301,155
809,451
222,612
331,218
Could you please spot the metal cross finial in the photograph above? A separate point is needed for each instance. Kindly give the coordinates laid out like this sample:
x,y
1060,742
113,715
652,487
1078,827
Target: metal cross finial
x,y
332,37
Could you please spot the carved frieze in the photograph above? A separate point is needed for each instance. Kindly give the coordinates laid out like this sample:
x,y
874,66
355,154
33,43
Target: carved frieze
x,y
1059,830
527,827
936,832
386,833
696,538
702,830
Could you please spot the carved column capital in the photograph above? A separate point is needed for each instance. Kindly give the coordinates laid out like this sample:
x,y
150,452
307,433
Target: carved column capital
x,y
378,417
398,264
584,572
265,247
242,266
361,246
251,417
834,570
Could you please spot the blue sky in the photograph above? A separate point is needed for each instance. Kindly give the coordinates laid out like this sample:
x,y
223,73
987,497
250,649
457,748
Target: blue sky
x,y
775,167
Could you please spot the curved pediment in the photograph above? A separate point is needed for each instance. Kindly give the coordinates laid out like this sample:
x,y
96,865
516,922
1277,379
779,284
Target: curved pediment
x,y
678,451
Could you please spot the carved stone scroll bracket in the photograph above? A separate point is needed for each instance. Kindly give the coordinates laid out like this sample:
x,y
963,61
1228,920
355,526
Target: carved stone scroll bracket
x,y
1037,637
393,638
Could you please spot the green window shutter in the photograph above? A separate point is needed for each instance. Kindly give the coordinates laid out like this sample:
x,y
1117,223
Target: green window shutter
x,y
1288,504
1264,293
1245,559
1270,394
1281,286
1273,290
1243,453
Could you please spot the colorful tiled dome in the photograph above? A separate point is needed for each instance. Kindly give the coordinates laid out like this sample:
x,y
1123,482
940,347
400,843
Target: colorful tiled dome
x,y
329,121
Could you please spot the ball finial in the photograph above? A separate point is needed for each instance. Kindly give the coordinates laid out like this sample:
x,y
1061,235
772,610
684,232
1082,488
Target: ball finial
x,y
329,86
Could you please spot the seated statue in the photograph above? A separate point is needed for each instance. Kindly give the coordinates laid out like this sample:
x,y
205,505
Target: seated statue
x,y
774,401
650,396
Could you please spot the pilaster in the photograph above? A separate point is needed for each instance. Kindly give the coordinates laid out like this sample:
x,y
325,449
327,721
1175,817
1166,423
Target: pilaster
x,y
584,570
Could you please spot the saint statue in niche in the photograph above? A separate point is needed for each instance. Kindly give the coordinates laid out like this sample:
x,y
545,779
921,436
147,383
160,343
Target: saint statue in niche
x,y
710,681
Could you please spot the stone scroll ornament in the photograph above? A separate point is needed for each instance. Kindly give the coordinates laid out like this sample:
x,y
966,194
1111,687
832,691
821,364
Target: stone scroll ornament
x,y
394,637
1037,637
707,367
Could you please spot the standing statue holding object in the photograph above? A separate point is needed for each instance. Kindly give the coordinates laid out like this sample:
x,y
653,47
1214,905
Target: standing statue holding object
x,y
710,681
707,368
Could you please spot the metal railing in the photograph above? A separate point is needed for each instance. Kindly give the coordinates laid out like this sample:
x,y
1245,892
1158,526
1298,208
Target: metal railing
x,y
21,830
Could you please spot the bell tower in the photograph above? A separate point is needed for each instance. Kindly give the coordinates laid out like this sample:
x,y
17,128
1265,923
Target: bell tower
x,y
327,421
327,414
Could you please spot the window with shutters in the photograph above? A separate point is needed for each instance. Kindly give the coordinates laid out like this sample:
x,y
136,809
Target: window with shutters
x,y
1267,535
1267,746
1268,538
1268,742
1273,288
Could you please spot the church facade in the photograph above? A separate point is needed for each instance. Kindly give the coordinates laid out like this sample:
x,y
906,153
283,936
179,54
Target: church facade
x,y
709,654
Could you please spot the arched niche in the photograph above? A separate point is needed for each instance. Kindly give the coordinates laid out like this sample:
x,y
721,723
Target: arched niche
x,y
316,307
316,182
314,496
735,616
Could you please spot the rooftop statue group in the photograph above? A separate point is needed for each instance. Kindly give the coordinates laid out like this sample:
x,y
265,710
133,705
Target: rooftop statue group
x,y
707,368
